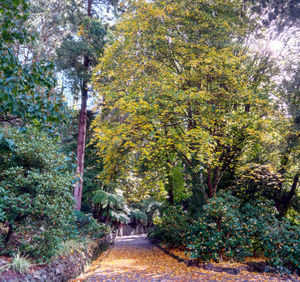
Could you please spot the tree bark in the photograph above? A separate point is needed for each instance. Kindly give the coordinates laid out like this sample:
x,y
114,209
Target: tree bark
x,y
82,127
10,231
81,146
213,181
286,201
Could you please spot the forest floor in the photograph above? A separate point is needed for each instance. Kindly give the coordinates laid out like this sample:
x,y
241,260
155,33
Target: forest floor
x,y
135,258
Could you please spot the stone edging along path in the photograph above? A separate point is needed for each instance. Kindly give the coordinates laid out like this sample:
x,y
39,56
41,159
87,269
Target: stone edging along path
x,y
70,266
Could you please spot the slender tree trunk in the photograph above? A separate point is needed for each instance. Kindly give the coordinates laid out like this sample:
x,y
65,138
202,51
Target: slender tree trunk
x,y
81,147
213,181
82,127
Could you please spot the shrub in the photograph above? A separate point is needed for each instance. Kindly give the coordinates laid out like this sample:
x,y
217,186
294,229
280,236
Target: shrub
x,y
36,198
219,232
257,215
281,246
171,226
233,229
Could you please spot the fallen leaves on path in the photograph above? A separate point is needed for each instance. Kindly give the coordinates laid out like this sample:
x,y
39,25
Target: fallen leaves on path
x,y
149,263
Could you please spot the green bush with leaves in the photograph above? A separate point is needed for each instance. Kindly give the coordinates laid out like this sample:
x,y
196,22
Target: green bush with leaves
x,y
171,226
231,228
282,246
258,215
36,198
219,232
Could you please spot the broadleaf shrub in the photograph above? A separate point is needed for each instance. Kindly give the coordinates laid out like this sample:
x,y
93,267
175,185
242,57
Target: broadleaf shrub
x,y
171,226
281,246
233,229
219,232
36,200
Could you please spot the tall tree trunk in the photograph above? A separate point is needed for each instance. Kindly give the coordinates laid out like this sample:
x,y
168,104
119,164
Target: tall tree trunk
x,y
82,127
213,181
81,146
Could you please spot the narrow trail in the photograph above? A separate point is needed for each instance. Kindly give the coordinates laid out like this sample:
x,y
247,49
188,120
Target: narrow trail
x,y
135,258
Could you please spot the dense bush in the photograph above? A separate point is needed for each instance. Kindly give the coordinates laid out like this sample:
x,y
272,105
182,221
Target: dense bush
x,y
171,226
233,229
220,231
36,199
281,246
258,181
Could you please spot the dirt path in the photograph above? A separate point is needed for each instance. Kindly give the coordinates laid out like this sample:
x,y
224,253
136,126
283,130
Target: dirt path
x,y
134,258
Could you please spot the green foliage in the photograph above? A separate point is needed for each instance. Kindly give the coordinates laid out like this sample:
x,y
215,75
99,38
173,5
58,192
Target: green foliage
x,y
149,207
35,191
230,228
113,205
69,246
26,89
106,199
138,217
258,181
281,246
220,232
87,226
88,39
171,226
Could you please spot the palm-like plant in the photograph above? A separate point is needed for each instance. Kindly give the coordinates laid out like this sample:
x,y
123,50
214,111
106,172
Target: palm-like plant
x,y
145,211
113,205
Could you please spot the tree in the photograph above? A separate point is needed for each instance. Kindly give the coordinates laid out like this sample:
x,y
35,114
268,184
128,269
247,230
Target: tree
x,y
177,88
26,88
75,57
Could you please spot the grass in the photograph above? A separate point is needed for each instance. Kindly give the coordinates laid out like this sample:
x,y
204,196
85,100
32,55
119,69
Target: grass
x,y
19,264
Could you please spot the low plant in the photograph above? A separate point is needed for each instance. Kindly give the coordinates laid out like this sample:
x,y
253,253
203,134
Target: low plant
x,y
19,264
